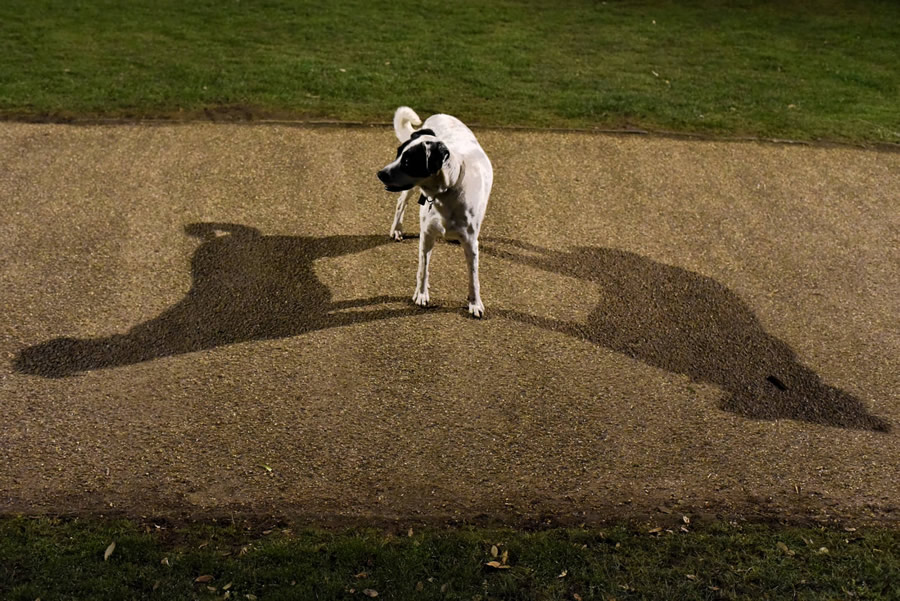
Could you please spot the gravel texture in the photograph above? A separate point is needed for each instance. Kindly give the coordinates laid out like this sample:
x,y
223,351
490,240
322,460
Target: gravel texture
x,y
206,320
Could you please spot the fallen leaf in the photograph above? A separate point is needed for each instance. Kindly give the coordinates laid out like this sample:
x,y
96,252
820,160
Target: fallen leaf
x,y
577,597
410,533
250,597
226,587
420,586
497,565
505,557
361,575
204,579
784,548
685,519
690,576
370,593
656,530
823,550
165,561
494,551
109,550
444,588
563,574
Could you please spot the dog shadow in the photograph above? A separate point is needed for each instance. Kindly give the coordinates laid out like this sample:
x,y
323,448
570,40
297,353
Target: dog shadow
x,y
686,323
246,286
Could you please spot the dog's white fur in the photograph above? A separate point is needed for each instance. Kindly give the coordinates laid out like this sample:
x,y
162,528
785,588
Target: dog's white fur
x,y
457,195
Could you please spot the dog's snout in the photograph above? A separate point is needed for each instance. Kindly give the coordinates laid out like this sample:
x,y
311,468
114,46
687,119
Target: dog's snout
x,y
382,175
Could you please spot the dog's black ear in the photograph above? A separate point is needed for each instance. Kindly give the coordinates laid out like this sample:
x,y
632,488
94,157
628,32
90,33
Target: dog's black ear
x,y
437,156
421,132
415,134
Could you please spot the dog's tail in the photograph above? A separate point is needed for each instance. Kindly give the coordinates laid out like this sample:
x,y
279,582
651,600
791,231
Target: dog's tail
x,y
405,120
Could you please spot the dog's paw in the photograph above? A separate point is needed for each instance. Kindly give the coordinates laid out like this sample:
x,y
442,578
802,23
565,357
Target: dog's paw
x,y
396,235
421,298
476,310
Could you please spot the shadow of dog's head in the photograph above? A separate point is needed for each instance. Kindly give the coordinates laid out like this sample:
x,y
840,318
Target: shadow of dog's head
x,y
418,159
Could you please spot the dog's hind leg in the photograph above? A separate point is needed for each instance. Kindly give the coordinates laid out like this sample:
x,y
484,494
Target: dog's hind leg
x,y
397,227
476,307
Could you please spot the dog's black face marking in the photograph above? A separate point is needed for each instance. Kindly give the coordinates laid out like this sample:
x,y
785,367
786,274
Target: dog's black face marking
x,y
437,157
415,134
416,161
424,159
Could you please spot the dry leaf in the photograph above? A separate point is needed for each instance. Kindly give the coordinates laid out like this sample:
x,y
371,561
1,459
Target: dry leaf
x,y
577,597
109,550
505,557
226,587
420,586
690,576
497,565
370,593
563,574
165,561
785,549
823,550
410,533
494,551
361,575
655,530
686,519
204,579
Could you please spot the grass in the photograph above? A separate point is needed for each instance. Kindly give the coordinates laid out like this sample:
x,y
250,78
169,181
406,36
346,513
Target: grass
x,y
52,559
803,69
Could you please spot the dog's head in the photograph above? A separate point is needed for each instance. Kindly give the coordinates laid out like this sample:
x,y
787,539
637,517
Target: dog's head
x,y
419,158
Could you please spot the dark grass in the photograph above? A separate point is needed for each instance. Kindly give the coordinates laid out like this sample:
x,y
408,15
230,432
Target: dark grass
x,y
803,69
50,559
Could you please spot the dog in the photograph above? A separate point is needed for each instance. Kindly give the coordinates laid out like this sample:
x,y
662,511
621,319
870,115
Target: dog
x,y
445,161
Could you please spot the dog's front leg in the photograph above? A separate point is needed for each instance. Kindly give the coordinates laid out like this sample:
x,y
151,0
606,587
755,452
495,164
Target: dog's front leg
x,y
476,308
426,245
397,227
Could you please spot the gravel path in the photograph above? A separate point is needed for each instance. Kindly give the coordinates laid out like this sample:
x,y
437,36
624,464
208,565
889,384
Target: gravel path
x,y
210,320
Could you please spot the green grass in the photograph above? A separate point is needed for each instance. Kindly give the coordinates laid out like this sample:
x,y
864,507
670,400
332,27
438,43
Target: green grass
x,y
51,559
804,69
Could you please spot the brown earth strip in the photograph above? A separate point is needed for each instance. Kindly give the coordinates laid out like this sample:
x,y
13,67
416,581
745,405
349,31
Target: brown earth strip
x,y
205,320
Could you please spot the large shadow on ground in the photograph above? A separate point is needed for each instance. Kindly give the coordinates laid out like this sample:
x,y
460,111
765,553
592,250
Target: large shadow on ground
x,y
246,286
689,324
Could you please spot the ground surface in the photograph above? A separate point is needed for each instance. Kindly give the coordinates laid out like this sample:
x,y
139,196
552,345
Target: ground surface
x,y
208,320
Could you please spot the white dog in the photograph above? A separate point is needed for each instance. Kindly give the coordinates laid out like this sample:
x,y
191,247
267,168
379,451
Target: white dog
x,y
446,162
